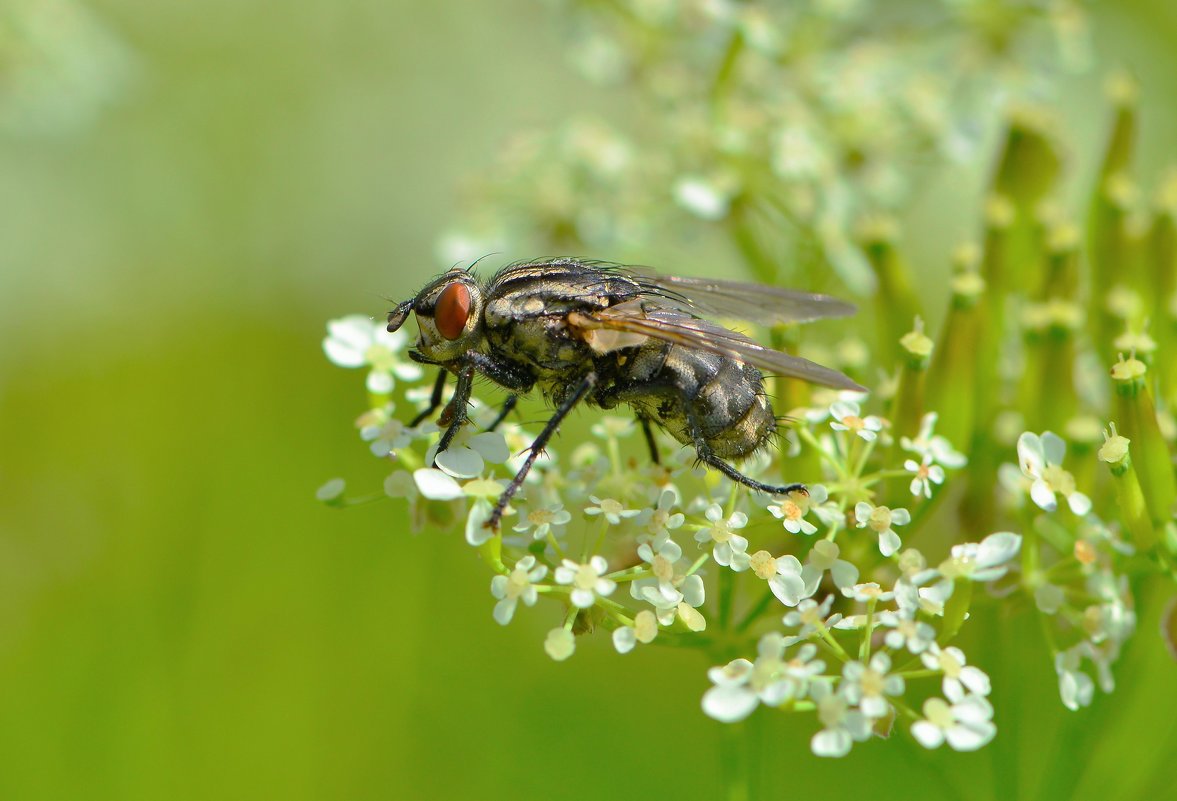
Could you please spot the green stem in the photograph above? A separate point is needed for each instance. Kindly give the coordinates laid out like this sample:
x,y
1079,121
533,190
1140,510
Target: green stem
x,y
755,612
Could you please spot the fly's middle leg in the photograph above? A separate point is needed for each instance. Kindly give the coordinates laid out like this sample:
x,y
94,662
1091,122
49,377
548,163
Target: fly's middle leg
x,y
508,406
650,442
574,397
434,400
707,456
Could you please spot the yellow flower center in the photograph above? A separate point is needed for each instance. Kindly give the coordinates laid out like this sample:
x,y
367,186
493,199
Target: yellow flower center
x,y
586,577
763,565
880,519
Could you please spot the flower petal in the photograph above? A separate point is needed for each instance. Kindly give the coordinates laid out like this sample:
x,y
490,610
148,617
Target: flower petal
x,y
436,485
729,703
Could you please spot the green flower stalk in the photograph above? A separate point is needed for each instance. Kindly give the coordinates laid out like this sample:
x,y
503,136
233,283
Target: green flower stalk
x,y
1030,161
996,260
1137,418
1049,328
895,299
910,401
1162,257
1133,510
1107,229
952,378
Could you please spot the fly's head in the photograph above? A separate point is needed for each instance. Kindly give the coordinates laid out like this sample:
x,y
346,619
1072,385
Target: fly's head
x,y
449,316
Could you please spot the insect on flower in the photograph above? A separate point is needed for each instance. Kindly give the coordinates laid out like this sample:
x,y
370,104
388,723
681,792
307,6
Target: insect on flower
x,y
604,334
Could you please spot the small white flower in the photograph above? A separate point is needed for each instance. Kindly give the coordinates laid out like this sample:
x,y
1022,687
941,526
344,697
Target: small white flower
x,y
731,549
358,341
938,448
926,474
822,557
930,600
988,560
587,580
867,686
730,699
611,510
740,686
785,579
881,519
1074,686
868,591
643,630
660,520
560,644
400,484
516,586
331,491
469,452
810,617
477,532
436,485
544,520
802,669
385,432
966,725
1041,459
671,592
847,417
662,564
906,632
843,726
957,674
791,509
701,197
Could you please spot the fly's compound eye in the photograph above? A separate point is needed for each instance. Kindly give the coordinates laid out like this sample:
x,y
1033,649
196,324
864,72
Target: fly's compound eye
x,y
452,310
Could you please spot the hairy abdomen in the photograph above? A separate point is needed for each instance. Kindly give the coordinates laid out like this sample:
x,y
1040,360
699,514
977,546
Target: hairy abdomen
x,y
725,398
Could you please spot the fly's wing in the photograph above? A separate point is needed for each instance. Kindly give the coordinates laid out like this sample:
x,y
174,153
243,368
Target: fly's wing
x,y
617,326
756,303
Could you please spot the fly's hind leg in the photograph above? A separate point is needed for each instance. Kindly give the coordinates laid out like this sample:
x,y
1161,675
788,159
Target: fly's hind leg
x,y
650,441
707,456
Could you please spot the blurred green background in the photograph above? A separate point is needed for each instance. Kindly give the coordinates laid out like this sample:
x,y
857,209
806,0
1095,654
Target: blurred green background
x,y
180,619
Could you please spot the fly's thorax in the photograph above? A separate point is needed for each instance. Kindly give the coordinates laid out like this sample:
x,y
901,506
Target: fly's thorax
x,y
542,342
449,317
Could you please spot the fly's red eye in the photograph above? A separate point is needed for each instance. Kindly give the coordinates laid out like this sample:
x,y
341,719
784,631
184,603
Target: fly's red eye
x,y
452,310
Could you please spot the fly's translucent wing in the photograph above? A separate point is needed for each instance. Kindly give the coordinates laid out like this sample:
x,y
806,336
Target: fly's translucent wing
x,y
680,328
756,303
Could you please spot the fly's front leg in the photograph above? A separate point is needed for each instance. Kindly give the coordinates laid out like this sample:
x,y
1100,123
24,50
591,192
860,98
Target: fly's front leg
x,y
455,413
577,394
434,399
507,374
707,456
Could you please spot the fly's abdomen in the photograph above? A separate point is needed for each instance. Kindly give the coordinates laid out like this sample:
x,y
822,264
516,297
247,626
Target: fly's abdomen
x,y
725,397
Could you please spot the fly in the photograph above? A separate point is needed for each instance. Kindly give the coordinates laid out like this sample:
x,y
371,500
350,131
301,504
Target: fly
x,y
606,335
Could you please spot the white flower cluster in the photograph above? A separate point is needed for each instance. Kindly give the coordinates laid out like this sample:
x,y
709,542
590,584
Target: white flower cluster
x,y
866,694
1084,598
660,552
